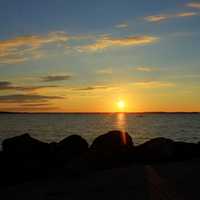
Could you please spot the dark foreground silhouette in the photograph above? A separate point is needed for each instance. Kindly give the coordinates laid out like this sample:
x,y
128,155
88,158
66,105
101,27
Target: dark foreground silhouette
x,y
28,160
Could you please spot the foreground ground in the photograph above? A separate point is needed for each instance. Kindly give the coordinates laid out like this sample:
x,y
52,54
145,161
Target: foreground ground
x,y
172,181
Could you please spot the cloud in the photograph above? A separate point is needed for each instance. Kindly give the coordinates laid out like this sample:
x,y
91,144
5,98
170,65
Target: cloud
x,y
186,14
194,5
22,48
146,69
53,78
122,25
24,98
34,104
91,88
29,108
95,87
33,88
6,85
107,71
156,18
154,84
107,41
163,17
12,60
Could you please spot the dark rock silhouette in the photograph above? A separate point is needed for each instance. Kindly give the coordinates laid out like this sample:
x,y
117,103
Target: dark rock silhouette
x,y
25,158
164,150
112,141
70,147
157,149
24,145
111,149
185,150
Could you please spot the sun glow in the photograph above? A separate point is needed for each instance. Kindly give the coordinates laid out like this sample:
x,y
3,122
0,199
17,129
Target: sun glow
x,y
121,105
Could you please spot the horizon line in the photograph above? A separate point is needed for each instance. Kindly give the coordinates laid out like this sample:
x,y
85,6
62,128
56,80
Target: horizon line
x,y
145,112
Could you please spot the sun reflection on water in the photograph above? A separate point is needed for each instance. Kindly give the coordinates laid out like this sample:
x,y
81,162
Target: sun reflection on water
x,y
121,125
121,121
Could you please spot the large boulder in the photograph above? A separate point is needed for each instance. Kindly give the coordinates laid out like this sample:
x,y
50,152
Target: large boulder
x,y
112,141
186,150
70,147
111,150
157,149
24,145
164,150
25,158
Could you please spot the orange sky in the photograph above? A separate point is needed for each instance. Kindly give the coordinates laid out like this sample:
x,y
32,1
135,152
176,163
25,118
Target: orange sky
x,y
85,56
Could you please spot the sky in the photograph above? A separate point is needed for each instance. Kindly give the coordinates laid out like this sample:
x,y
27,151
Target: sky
x,y
86,56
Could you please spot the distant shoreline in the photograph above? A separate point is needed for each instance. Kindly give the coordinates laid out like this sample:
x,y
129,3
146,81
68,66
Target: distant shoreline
x,y
140,113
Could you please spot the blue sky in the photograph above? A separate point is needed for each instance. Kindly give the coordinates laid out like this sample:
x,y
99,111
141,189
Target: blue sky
x,y
86,55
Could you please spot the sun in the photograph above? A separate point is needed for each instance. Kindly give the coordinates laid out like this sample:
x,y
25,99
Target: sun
x,y
121,104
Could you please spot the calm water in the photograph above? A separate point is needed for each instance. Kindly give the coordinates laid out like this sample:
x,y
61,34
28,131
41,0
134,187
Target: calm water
x,y
54,127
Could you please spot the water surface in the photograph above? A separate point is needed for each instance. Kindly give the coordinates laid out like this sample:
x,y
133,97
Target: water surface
x,y
142,127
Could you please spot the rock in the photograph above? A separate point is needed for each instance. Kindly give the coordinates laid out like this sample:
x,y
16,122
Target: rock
x,y
25,158
164,150
24,145
112,149
70,147
112,141
185,150
157,149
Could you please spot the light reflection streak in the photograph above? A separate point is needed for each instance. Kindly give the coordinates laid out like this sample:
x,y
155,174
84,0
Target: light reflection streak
x,y
121,125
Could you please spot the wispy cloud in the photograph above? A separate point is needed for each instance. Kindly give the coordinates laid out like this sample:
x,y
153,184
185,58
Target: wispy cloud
x,y
108,41
146,69
163,17
89,88
95,87
22,48
23,98
54,78
156,18
122,25
194,5
6,85
34,104
154,84
12,59
186,14
106,71
29,108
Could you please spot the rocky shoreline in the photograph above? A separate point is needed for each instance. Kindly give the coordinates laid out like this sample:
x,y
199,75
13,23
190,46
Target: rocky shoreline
x,y
24,158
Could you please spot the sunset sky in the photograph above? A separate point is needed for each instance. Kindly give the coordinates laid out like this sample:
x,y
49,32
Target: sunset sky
x,y
87,55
